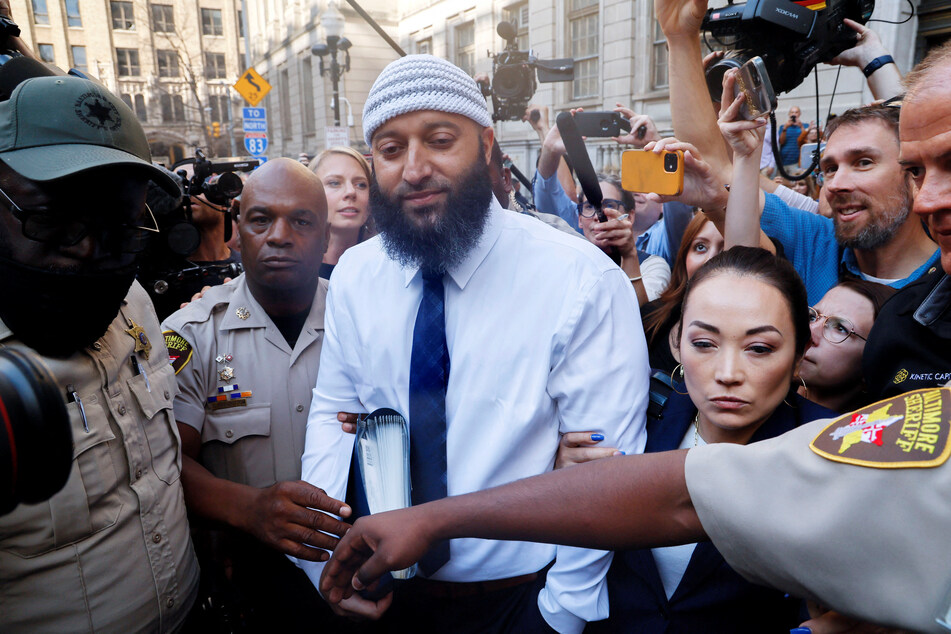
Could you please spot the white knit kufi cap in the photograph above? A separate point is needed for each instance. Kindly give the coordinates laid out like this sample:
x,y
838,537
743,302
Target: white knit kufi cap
x,y
422,82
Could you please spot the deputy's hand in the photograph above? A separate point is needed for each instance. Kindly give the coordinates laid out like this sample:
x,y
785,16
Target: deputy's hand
x,y
703,186
614,232
287,515
376,544
745,137
577,447
356,608
680,17
637,121
348,422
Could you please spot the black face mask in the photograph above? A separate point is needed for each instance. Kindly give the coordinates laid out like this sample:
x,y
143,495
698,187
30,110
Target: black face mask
x,y
58,314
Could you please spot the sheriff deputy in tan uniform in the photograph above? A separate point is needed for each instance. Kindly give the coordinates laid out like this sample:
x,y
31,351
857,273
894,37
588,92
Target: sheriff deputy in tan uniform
x,y
111,551
246,356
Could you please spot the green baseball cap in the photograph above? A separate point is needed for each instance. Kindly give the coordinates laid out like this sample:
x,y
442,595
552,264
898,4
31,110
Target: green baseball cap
x,y
52,127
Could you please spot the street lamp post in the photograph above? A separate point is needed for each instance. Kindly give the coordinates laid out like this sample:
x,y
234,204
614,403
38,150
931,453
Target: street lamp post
x,y
333,23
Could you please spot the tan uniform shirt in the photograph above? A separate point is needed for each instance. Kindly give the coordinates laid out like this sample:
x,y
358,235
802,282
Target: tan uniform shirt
x,y
111,551
225,340
852,512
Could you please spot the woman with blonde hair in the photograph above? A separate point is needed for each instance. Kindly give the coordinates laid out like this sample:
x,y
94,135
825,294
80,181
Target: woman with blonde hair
x,y
346,176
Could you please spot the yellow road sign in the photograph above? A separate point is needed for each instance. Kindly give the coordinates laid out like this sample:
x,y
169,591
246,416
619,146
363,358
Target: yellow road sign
x,y
252,86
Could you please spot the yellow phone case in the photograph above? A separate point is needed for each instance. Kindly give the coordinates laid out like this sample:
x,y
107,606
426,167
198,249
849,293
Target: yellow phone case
x,y
646,172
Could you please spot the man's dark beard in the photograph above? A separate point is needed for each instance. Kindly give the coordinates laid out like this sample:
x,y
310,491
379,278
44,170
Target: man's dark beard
x,y
440,245
879,230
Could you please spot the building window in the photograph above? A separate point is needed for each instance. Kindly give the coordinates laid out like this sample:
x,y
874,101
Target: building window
x,y
167,63
128,62
465,47
79,58
425,47
285,89
163,18
240,23
173,108
46,53
211,22
583,32
220,109
140,112
72,13
41,14
517,14
215,66
122,16
659,58
126,99
307,95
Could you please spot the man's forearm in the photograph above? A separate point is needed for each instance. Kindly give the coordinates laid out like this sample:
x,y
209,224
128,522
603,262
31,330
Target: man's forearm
x,y
215,498
610,504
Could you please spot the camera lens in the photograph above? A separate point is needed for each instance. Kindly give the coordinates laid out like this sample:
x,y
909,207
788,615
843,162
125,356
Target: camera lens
x,y
670,162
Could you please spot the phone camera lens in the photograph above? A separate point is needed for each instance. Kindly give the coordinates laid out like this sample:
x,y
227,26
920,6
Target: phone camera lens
x,y
670,162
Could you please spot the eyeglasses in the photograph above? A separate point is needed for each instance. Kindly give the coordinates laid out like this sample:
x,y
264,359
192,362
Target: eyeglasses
x,y
835,329
62,230
587,210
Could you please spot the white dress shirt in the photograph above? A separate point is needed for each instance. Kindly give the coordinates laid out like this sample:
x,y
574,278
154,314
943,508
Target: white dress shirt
x,y
544,337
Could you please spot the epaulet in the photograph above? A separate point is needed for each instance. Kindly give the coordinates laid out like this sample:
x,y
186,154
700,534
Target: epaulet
x,y
214,300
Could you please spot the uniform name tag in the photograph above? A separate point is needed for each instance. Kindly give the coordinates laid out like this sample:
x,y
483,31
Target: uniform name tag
x,y
907,431
235,402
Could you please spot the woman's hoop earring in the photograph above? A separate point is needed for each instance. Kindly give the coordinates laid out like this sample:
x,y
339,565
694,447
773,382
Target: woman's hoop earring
x,y
805,388
673,375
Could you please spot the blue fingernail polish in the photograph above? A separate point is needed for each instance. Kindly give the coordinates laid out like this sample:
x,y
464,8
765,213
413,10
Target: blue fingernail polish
x,y
597,437
800,630
623,453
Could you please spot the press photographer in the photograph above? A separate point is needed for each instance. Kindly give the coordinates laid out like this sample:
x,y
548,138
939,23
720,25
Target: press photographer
x,y
192,250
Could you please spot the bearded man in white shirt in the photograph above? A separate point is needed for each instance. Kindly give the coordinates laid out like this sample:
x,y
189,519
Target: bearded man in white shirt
x,y
538,334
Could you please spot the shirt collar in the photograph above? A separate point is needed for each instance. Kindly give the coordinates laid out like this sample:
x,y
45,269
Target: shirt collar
x,y
242,303
463,272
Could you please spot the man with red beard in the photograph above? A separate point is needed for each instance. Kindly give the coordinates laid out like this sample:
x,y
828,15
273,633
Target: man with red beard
x,y
910,345
492,333
872,233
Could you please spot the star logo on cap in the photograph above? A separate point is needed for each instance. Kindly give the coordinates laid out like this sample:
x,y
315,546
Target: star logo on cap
x,y
99,110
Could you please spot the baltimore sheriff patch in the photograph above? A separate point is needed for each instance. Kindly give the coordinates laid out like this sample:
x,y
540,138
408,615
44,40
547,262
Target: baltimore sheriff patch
x,y
179,350
911,430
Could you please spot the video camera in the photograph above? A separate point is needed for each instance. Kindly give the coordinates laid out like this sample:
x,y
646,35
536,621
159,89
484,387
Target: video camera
x,y
36,446
514,75
165,271
790,38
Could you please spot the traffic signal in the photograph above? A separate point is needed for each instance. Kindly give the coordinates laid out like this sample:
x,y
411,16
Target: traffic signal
x,y
215,129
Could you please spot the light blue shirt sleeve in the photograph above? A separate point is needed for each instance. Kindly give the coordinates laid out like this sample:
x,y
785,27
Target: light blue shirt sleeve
x,y
550,198
808,241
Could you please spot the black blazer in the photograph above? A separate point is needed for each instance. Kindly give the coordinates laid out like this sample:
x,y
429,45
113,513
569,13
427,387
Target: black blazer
x,y
711,597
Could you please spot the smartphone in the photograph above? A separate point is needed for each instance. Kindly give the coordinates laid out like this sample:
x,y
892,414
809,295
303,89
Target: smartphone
x,y
644,172
753,81
601,124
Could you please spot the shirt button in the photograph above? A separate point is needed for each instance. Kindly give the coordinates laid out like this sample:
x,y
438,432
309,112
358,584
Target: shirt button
x,y
121,410
300,408
166,395
97,346
170,602
138,473
157,537
229,434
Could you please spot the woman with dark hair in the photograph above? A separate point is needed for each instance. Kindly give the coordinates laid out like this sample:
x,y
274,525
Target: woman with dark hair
x,y
832,366
740,340
346,177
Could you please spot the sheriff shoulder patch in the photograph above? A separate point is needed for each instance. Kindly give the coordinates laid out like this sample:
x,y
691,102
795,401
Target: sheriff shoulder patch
x,y
179,350
908,431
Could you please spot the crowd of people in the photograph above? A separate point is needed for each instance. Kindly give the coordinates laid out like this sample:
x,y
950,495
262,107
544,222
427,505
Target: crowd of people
x,y
709,411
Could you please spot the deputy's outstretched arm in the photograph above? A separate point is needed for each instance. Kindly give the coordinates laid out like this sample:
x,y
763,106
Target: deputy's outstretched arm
x,y
616,503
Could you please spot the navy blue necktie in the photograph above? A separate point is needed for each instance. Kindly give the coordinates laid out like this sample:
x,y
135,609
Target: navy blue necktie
x,y
428,378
